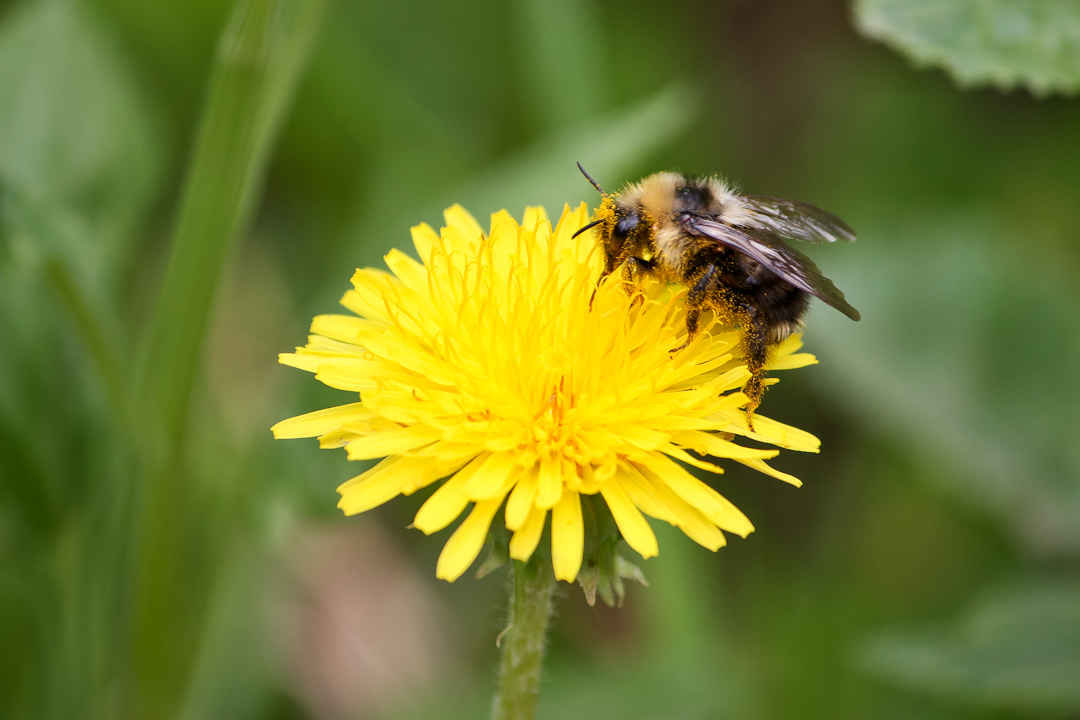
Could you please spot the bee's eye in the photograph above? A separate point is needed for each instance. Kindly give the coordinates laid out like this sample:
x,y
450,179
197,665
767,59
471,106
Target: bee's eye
x,y
691,195
626,224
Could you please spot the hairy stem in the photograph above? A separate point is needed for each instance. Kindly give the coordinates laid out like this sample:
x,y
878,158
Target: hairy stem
x,y
523,641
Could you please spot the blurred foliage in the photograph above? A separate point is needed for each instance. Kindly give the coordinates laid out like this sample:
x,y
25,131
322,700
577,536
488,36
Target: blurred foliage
x,y
1033,44
1017,647
979,392
183,185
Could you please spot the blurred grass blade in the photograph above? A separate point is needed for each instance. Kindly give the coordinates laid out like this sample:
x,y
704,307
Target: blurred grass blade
x,y
544,173
64,250
182,538
562,56
541,173
259,61
100,345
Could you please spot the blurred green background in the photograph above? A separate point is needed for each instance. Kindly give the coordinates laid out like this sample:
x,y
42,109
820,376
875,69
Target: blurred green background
x,y
184,184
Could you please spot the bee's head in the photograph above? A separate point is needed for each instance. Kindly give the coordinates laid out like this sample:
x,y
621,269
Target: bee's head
x,y
692,197
629,227
610,224
625,221
623,226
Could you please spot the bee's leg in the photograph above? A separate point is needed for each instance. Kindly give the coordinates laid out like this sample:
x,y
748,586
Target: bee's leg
x,y
628,272
695,303
636,268
610,263
756,352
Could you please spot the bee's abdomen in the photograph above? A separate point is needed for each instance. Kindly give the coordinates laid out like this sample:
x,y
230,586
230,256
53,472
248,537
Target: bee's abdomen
x,y
780,307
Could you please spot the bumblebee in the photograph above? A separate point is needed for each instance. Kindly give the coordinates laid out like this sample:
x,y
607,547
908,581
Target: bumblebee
x,y
729,250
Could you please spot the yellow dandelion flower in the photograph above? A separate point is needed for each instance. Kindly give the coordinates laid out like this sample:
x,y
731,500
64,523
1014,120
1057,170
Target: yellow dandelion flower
x,y
498,366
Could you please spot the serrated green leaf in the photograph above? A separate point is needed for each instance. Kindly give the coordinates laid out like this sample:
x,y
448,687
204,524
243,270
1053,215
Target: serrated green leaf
x,y
1014,648
1033,43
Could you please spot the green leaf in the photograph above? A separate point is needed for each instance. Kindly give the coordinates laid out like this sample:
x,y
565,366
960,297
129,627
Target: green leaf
x,y
79,169
74,128
59,247
1032,43
1015,648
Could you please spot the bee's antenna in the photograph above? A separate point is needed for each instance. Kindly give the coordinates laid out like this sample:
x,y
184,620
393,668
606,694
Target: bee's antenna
x,y
591,225
594,183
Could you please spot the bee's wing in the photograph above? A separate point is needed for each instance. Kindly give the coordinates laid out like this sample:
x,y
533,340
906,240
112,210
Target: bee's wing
x,y
790,264
794,220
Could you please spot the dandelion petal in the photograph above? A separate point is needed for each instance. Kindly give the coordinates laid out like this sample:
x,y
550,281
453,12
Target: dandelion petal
x,y
528,535
633,526
520,502
447,502
494,477
550,488
567,537
464,545
697,494
496,360
320,422
384,482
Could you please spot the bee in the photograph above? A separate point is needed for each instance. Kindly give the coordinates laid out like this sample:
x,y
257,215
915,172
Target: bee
x,y
728,250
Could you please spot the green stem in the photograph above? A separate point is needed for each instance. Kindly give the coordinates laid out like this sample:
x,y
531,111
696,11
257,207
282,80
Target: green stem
x,y
180,544
523,642
259,61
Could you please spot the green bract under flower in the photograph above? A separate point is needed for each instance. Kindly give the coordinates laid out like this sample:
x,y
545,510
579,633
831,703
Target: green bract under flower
x,y
499,367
